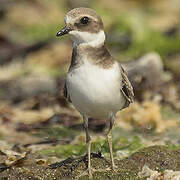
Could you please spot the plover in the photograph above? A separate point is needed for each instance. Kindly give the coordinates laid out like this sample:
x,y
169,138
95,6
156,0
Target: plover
x,y
96,84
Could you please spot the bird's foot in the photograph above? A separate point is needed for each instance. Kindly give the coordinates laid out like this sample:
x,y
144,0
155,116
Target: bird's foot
x,y
112,168
88,172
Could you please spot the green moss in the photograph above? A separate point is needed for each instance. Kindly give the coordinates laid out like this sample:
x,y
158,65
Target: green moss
x,y
39,32
149,40
55,132
172,146
131,145
125,143
64,151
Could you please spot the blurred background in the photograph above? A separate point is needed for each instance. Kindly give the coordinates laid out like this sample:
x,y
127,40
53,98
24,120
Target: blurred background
x,y
144,35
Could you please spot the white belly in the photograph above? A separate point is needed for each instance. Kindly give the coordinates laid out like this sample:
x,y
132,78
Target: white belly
x,y
95,91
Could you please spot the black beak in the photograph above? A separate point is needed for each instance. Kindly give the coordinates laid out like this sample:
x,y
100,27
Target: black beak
x,y
63,31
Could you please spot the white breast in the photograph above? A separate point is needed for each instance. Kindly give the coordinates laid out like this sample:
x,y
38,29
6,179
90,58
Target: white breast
x,y
95,91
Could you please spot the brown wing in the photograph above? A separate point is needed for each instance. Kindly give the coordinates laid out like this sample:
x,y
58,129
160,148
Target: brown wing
x,y
65,92
127,88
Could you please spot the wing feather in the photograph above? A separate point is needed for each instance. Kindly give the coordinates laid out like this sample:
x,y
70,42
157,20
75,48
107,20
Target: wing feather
x,y
127,89
66,95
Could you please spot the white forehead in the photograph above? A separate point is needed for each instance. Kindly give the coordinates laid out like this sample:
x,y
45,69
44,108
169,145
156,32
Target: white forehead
x,y
70,19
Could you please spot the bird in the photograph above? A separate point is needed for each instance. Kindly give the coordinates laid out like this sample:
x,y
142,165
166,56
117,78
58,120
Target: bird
x,y
96,84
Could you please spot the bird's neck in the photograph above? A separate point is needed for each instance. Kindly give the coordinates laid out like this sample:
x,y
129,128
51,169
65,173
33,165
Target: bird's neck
x,y
98,54
86,39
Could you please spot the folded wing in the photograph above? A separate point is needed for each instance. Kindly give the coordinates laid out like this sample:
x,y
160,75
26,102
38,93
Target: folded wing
x,y
126,89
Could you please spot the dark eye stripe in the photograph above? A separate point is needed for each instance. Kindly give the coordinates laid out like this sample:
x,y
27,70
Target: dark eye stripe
x,y
84,20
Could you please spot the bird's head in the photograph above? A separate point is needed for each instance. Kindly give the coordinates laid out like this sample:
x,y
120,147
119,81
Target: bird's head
x,y
84,25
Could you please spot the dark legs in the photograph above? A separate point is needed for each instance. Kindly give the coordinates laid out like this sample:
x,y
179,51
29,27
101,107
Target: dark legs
x,y
88,142
109,139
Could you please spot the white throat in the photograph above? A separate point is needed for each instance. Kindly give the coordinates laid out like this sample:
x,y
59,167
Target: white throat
x,y
87,38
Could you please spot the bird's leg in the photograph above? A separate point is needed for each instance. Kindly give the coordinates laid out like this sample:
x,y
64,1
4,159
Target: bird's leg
x,y
88,142
109,139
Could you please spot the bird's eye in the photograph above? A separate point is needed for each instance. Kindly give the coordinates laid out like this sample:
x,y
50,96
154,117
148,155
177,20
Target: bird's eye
x,y
84,20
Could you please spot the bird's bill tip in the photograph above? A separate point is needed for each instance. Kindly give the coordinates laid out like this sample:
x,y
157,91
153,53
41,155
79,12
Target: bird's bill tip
x,y
63,31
